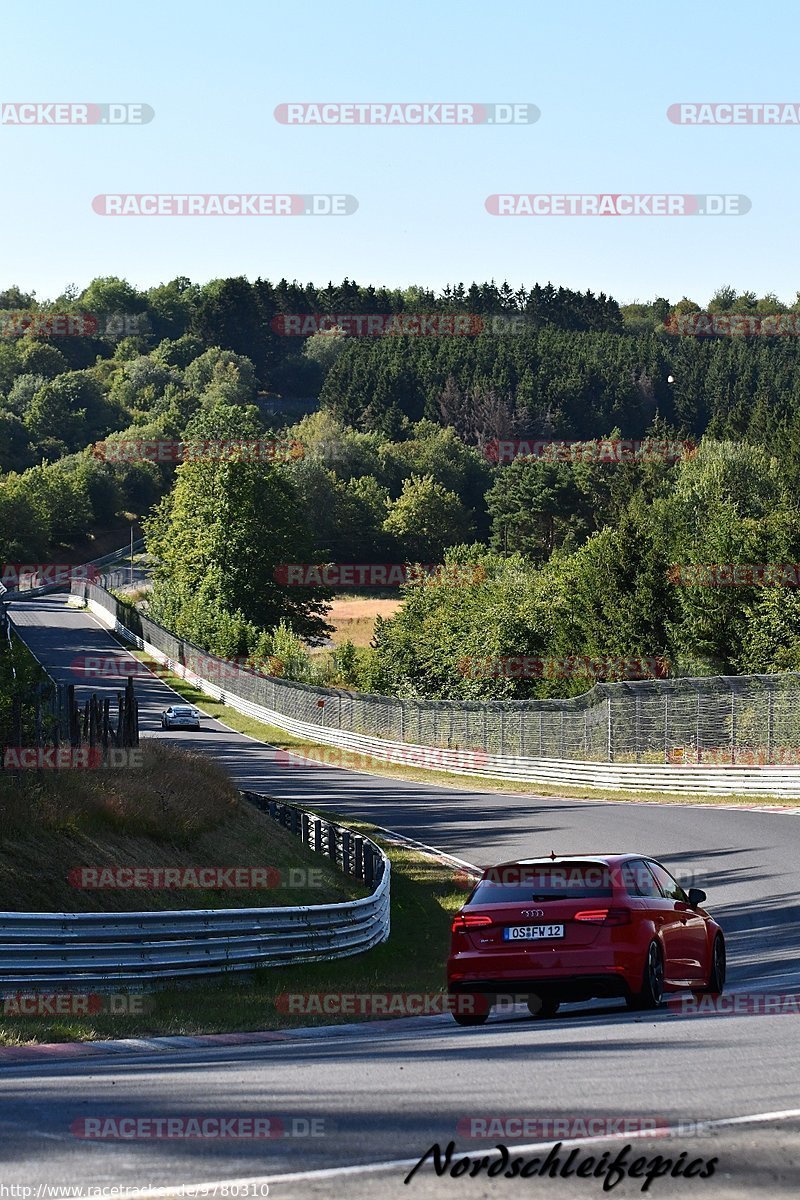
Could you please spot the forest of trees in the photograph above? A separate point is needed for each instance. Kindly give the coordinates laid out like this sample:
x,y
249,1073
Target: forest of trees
x,y
394,467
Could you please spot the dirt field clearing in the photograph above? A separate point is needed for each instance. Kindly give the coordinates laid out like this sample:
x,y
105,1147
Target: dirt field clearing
x,y
353,617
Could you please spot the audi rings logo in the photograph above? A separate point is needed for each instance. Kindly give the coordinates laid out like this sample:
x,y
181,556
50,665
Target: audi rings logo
x,y
533,912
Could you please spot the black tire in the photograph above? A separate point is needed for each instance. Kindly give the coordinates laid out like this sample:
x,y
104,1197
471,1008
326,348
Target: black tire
x,y
469,1008
651,993
471,1019
717,970
543,1007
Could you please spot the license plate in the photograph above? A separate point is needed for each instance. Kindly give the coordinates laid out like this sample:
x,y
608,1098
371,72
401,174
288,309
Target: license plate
x,y
529,933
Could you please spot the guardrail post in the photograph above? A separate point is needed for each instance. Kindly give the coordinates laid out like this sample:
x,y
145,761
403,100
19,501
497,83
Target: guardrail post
x,y
294,821
358,867
369,864
317,835
331,830
346,846
305,828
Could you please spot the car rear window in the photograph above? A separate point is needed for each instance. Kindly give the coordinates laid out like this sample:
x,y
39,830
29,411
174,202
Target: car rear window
x,y
535,881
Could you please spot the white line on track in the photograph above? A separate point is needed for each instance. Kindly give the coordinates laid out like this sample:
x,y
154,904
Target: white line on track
x,y
160,1193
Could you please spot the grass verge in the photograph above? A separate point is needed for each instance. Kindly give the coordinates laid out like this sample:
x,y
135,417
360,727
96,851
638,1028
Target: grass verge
x,y
172,808
331,756
424,895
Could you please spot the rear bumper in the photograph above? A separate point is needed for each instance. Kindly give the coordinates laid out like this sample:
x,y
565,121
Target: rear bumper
x,y
582,973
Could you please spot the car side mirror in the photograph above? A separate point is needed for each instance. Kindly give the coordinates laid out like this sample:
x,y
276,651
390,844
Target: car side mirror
x,y
696,896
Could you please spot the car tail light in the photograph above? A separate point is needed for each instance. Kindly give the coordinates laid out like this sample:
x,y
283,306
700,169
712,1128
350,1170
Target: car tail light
x,y
604,916
469,921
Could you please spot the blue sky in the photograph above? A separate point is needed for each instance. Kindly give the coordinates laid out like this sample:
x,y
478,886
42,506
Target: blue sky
x,y
602,75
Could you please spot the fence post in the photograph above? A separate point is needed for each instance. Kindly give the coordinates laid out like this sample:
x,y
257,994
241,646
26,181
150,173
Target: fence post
x,y
666,728
561,736
586,732
733,726
699,730
770,722
502,729
541,741
522,732
610,738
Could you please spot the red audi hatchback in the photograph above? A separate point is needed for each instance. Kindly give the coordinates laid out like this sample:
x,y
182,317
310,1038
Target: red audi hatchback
x,y
564,929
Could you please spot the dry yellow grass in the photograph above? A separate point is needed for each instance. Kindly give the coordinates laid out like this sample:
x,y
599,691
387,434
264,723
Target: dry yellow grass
x,y
353,618
178,809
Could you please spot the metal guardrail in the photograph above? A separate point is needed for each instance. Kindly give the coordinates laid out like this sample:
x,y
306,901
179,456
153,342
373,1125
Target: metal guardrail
x,y
688,777
109,949
706,720
106,559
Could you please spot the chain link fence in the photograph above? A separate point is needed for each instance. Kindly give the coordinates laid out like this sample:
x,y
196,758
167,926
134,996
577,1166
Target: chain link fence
x,y
752,719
